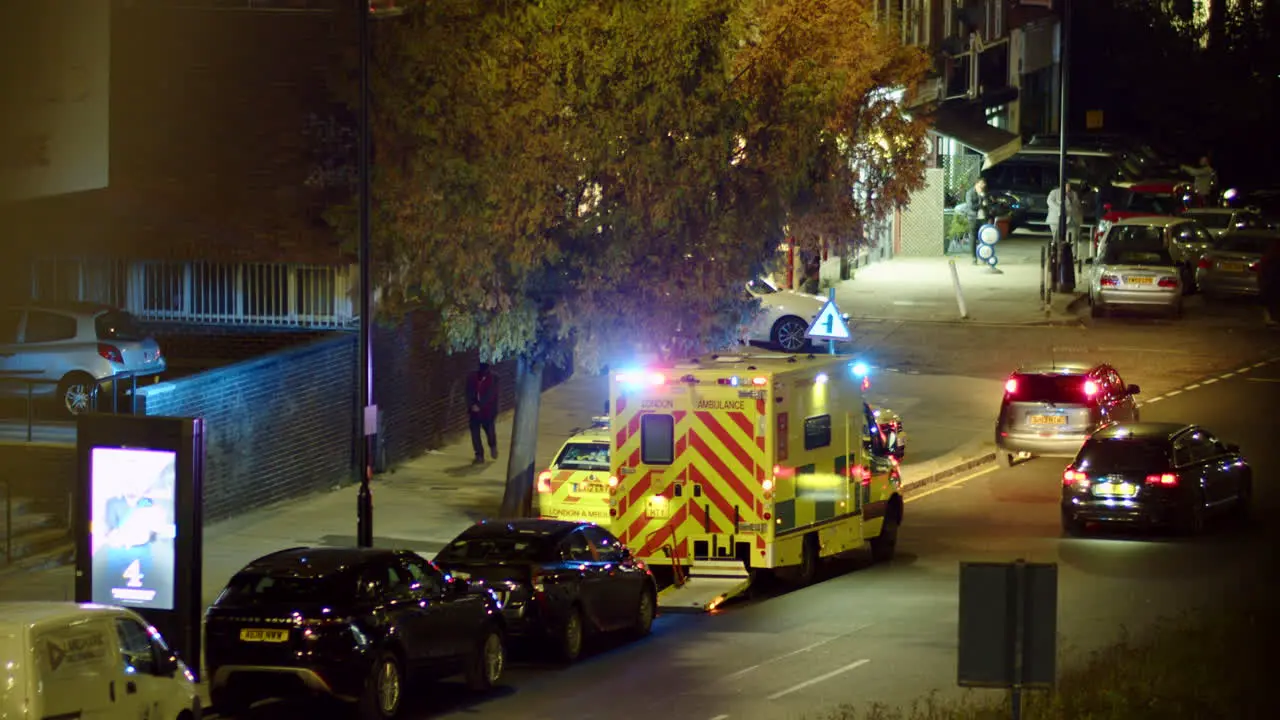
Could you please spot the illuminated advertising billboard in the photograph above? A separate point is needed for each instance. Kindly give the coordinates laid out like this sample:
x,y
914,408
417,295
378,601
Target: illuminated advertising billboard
x,y
132,526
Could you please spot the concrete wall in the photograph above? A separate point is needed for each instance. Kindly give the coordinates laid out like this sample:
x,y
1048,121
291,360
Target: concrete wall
x,y
279,426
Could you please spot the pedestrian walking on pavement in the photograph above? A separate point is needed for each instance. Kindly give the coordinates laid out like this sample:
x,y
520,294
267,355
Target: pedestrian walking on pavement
x,y
482,403
1203,180
978,207
1269,284
1075,215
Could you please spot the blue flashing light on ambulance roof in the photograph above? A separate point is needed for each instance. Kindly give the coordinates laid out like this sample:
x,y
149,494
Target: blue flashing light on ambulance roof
x,y
641,378
859,369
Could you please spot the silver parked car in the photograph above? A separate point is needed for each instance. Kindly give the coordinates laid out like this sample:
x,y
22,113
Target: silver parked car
x,y
1232,267
1136,267
74,348
1051,409
1220,221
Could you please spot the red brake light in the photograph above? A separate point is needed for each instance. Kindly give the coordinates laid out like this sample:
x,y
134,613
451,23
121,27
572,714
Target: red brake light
x,y
110,352
1167,282
544,481
1011,386
1072,476
1205,263
1090,388
1109,280
1166,479
1254,266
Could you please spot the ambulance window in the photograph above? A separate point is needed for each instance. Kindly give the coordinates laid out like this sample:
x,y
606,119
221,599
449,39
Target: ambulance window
x,y
657,439
817,431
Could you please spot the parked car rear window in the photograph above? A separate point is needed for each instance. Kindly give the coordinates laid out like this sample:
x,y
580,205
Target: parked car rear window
x,y
49,327
264,589
498,548
117,325
1247,244
1104,455
1049,388
1152,203
583,456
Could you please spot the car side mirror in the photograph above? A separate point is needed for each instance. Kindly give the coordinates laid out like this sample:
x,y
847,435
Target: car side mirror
x,y
1134,389
166,664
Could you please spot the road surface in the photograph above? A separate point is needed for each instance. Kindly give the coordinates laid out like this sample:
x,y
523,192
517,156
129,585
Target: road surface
x,y
888,633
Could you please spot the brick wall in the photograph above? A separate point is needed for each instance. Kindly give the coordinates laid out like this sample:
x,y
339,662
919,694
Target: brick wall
x,y
419,389
279,426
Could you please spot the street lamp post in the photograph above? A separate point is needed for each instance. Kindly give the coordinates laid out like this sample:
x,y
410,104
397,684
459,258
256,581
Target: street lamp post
x,y
367,410
1059,260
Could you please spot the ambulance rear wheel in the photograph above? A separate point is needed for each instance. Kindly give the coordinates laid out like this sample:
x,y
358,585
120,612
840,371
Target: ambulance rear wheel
x,y
884,545
808,561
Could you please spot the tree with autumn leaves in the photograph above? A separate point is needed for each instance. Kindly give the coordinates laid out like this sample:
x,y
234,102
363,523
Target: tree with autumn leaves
x,y
604,175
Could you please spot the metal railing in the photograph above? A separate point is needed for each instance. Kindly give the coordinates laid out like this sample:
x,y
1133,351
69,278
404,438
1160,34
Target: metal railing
x,y
93,395
67,513
293,295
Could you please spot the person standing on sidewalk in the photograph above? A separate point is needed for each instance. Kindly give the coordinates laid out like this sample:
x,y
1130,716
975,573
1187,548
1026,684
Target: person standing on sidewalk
x,y
1269,284
1075,215
978,204
482,403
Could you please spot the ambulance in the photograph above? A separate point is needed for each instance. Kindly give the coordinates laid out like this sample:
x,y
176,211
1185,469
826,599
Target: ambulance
x,y
575,487
730,467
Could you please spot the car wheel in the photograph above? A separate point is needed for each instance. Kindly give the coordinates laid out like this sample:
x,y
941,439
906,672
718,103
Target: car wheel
x,y
228,703
1244,502
808,560
383,693
1004,458
788,334
75,393
572,633
646,608
489,659
1072,526
884,545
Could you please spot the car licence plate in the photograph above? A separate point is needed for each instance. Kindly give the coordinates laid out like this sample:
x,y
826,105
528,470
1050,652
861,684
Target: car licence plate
x,y
1115,489
1231,267
1047,419
1138,280
588,487
270,636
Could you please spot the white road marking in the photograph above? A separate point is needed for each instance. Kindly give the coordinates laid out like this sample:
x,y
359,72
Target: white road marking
x,y
793,653
926,493
1192,386
1228,375
1171,393
1263,379
1258,365
720,717
820,678
1210,381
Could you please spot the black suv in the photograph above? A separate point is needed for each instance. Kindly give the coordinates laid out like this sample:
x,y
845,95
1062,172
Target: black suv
x,y
352,624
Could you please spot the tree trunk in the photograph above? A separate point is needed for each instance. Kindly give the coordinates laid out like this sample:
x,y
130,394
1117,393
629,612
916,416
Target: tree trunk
x,y
517,500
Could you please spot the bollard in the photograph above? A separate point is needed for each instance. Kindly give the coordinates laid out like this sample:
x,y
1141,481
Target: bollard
x,y
955,282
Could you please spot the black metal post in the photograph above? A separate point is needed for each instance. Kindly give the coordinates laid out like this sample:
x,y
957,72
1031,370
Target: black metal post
x,y
30,417
1019,636
364,457
1064,60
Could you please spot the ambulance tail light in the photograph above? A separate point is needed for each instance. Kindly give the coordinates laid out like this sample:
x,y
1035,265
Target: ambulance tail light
x,y
544,481
861,472
759,381
767,485
613,482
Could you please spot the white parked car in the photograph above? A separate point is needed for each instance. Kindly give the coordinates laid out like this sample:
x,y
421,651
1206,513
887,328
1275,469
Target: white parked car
x,y
784,315
68,660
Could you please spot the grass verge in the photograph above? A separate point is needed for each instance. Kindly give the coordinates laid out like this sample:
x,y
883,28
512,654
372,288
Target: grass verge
x,y
1204,665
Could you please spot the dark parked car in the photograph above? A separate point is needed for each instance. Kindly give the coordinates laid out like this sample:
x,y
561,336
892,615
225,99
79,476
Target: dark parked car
x,y
1050,409
354,624
1154,474
559,580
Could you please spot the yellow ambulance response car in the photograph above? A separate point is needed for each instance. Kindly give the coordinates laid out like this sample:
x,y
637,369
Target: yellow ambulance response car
x,y
576,486
733,465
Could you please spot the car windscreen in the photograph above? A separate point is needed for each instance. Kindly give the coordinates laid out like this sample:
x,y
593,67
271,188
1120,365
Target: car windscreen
x,y
1155,203
760,286
117,325
1065,389
1136,245
258,588
1247,244
515,546
583,456
1118,455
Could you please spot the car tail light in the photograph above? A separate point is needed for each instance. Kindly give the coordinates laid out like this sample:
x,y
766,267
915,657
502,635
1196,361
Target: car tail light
x,y
1166,479
1255,265
539,586
544,481
110,352
1090,388
1167,282
1010,386
1109,281
1071,476
861,472
1205,264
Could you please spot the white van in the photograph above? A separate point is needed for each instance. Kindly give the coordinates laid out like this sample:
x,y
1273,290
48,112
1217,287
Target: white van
x,y
89,662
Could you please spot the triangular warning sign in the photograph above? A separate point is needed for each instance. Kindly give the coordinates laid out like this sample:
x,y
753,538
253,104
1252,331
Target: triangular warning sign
x,y
56,655
829,325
